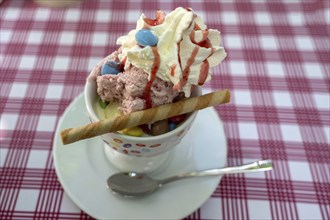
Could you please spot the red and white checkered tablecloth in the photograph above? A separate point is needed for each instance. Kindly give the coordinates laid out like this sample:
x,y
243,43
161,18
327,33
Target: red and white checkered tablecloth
x,y
277,70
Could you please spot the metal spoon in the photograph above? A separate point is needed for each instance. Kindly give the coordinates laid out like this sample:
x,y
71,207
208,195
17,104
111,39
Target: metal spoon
x,y
132,184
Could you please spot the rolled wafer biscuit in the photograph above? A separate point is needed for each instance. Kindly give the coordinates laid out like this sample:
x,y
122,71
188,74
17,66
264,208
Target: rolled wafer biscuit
x,y
133,119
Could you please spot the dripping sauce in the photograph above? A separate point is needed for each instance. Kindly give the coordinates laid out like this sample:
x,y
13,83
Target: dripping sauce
x,y
173,69
203,72
154,69
160,17
186,70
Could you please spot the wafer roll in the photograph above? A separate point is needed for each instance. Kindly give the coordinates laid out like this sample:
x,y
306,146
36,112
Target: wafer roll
x,y
133,119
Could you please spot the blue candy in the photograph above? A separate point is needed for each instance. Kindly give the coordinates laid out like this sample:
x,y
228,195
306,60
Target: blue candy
x,y
172,126
144,37
110,67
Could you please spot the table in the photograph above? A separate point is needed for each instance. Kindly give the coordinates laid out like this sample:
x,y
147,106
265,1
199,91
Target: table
x,y
277,70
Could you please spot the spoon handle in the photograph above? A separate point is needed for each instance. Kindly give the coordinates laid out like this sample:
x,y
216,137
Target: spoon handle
x,y
261,165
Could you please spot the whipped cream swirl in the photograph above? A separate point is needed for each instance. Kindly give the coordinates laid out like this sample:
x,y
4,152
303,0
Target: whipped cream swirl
x,y
186,48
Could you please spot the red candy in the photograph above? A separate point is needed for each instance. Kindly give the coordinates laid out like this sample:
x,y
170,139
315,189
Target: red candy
x,y
177,119
145,128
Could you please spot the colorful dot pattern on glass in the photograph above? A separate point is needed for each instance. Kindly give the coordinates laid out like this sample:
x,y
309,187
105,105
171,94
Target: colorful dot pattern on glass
x,y
141,149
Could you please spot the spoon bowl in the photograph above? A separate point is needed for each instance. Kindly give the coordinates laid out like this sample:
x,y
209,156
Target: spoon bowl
x,y
131,184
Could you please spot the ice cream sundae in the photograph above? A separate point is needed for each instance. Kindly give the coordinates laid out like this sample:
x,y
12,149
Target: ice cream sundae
x,y
159,62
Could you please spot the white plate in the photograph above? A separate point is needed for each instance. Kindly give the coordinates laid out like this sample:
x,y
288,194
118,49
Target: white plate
x,y
83,169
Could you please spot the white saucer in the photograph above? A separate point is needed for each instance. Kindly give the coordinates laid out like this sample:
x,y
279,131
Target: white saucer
x,y
83,169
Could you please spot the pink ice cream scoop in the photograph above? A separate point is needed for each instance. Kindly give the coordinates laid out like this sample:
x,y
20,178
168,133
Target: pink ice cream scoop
x,y
128,88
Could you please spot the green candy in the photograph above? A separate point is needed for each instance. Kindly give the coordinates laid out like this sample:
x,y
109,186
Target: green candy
x,y
103,104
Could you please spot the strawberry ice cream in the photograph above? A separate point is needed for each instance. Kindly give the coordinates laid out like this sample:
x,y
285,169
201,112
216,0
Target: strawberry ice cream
x,y
128,88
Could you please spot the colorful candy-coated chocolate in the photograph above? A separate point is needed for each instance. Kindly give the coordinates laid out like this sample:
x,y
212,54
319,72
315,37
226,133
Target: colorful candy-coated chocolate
x,y
145,128
102,103
135,131
110,67
177,119
159,127
145,37
172,126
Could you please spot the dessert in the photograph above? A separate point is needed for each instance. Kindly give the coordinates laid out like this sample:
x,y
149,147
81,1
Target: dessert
x,y
145,87
157,63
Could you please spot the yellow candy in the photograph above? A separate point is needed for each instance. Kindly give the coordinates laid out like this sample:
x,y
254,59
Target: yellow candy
x,y
135,131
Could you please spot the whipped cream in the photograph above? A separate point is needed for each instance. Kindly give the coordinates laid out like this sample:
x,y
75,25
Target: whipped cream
x,y
185,51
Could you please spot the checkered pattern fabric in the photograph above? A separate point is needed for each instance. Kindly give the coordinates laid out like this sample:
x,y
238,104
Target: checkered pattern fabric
x,y
277,70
